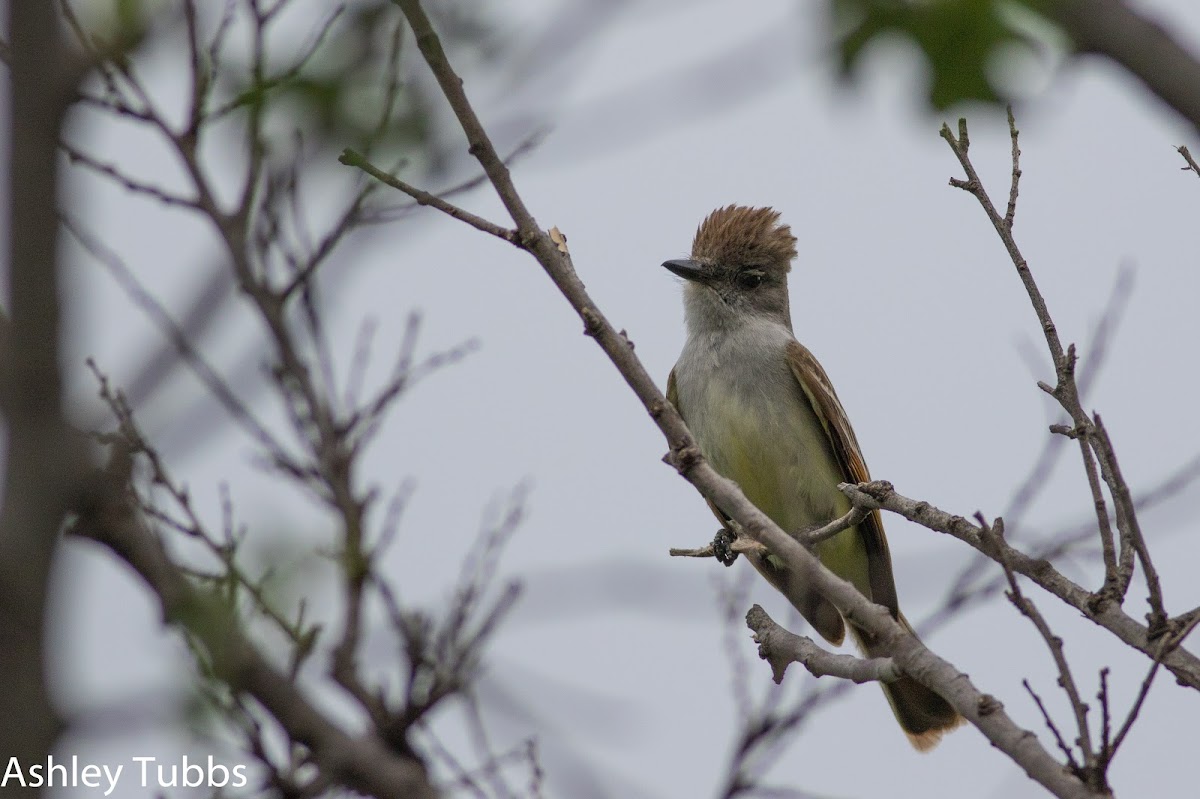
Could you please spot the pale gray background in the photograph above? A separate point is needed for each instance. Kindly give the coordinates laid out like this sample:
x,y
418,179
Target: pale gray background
x,y
619,655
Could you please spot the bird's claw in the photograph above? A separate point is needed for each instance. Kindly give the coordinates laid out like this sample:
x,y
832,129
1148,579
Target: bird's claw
x,y
722,546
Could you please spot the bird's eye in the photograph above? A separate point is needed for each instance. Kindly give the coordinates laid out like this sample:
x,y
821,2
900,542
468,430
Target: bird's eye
x,y
749,279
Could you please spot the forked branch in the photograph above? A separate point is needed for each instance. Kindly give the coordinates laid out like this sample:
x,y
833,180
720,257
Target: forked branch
x,y
1094,442
908,653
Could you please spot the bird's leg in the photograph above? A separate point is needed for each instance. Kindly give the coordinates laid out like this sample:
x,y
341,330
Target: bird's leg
x,y
804,534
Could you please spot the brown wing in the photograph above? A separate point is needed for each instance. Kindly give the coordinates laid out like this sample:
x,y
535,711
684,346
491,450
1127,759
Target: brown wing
x,y
922,714
816,386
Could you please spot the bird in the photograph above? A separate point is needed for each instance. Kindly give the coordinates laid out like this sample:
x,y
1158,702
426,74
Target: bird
x,y
765,415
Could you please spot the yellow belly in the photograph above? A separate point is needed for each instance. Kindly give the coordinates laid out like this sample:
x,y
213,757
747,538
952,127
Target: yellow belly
x,y
779,455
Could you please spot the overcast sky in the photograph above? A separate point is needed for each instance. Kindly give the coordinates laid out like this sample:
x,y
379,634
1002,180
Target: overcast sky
x,y
618,657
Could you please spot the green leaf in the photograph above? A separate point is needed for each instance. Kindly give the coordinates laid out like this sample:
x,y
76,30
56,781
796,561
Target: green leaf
x,y
958,38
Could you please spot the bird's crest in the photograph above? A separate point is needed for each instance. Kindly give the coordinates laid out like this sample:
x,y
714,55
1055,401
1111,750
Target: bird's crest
x,y
743,236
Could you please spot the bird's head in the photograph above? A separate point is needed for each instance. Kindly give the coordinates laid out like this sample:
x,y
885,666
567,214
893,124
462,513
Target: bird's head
x,y
738,269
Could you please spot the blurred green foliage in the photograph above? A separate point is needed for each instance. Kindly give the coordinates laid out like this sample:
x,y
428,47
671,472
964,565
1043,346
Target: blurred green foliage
x,y
340,74
964,42
357,86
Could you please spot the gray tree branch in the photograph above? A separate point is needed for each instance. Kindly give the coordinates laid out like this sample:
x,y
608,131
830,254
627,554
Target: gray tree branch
x,y
1095,445
42,465
880,494
780,647
364,763
907,651
1135,41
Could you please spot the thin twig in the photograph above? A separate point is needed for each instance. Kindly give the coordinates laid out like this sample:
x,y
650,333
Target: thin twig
x,y
852,518
1183,628
1127,512
993,536
111,172
1058,739
205,372
351,158
362,762
809,538
733,595
1191,162
765,732
1011,213
1094,445
1143,692
1036,481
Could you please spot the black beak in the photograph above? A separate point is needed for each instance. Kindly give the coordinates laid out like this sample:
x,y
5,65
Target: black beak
x,y
686,269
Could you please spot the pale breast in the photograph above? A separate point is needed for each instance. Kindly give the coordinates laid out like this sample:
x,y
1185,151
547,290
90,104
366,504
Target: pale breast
x,y
755,426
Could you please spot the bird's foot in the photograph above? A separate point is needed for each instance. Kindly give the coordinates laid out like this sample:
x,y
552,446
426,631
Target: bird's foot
x,y
723,546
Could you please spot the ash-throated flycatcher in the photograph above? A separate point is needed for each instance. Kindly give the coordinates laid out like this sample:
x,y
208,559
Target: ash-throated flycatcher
x,y
764,415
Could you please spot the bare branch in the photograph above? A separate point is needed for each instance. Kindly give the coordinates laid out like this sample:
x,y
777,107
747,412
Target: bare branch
x,y
183,345
1093,441
993,537
351,158
363,763
43,463
880,494
740,545
392,213
225,548
1191,162
1127,513
809,538
1146,48
480,144
1058,739
1011,213
128,183
1036,481
907,651
705,551
1143,692
779,648
854,516
763,735
1182,627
